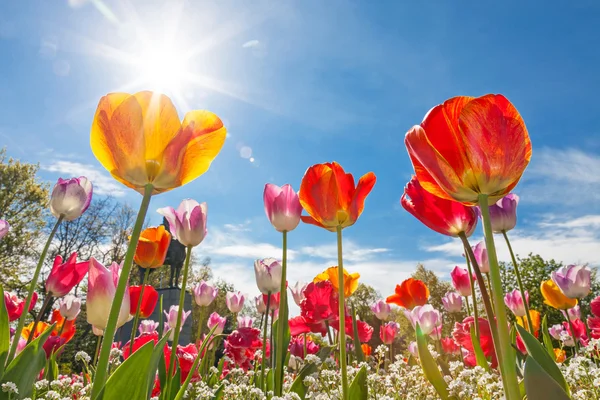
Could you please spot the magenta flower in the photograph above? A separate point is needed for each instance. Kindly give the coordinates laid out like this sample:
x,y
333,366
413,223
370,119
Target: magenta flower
x,y
481,256
461,281
216,320
71,197
282,207
204,293
388,332
268,275
428,318
503,214
381,309
187,224
69,307
573,280
65,276
4,228
235,301
452,302
245,322
147,326
171,322
514,302
102,285
259,302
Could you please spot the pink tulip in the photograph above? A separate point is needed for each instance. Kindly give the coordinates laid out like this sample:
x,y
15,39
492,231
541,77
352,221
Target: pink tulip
x,y
413,349
235,301
259,302
268,275
282,207
65,276
461,281
381,309
452,302
574,313
298,292
245,322
388,332
426,316
171,322
514,302
4,228
147,326
204,293
573,280
216,320
481,256
71,197
102,285
69,307
503,214
555,331
187,224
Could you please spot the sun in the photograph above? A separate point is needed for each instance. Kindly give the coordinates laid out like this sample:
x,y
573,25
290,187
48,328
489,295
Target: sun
x,y
162,67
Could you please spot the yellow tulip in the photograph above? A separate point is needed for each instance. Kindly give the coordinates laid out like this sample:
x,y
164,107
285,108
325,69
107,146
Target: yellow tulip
x,y
535,320
554,297
140,140
331,275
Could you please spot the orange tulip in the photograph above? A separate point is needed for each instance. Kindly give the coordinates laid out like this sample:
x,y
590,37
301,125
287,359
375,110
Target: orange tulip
x,y
331,275
560,355
330,198
554,297
152,247
67,332
535,320
469,146
366,349
409,294
140,140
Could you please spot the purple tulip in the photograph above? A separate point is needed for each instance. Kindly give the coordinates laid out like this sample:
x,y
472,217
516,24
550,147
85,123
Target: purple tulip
x,y
245,322
204,293
171,322
4,228
452,302
188,223
282,207
381,309
426,316
216,320
514,301
235,301
71,197
298,292
147,326
481,256
573,280
69,307
268,275
574,313
503,214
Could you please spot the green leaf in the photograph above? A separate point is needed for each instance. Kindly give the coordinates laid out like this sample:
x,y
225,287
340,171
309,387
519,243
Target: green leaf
x,y
51,370
430,368
542,358
219,392
269,379
205,342
547,339
539,385
358,389
129,381
479,356
4,332
25,367
298,386
280,359
157,355
360,357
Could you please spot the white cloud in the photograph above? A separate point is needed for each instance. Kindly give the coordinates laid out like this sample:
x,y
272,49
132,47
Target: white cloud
x,y
103,183
251,44
352,251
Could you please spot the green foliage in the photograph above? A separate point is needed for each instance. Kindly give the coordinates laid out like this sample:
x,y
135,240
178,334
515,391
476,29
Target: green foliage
x,y
430,368
358,389
539,385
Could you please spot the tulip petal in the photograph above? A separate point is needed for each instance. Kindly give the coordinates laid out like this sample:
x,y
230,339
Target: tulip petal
x,y
345,185
363,188
269,195
318,194
307,219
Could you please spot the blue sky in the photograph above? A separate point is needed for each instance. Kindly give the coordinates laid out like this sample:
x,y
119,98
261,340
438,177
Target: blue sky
x,y
304,82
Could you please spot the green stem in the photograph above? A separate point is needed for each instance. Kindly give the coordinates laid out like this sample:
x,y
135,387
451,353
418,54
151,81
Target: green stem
x,y
136,318
467,304
342,316
487,277
200,320
572,331
264,346
34,280
161,325
474,295
38,318
98,340
111,325
280,325
509,373
328,333
186,268
519,282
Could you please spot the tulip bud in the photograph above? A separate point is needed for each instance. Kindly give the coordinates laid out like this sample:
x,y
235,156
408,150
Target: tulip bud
x,y
147,326
514,302
204,293
102,285
235,301
268,275
69,307
261,307
298,292
282,207
573,280
97,331
171,322
4,228
188,223
381,309
388,332
461,281
152,247
452,302
216,320
413,349
71,197
148,301
481,256
245,322
503,214
426,316
65,276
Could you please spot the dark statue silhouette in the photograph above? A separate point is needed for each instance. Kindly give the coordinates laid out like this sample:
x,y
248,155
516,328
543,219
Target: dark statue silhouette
x,y
174,259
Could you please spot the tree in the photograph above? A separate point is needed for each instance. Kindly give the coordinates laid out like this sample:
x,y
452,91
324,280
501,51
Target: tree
x,y
23,200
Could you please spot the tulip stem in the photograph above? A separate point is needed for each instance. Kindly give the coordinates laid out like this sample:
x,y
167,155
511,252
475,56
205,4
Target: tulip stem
x,y
342,316
111,325
34,280
186,269
305,346
279,359
136,318
99,339
467,304
487,277
38,317
264,346
519,282
572,328
474,295
508,359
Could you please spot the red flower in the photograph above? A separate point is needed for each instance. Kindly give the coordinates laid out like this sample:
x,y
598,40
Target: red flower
x,y
296,347
299,325
68,331
241,346
409,294
186,355
139,341
444,216
365,331
15,305
595,306
65,276
462,336
594,325
578,330
320,303
274,302
148,301
449,346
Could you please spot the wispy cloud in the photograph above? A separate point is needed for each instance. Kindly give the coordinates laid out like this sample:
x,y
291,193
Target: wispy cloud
x,y
103,184
251,43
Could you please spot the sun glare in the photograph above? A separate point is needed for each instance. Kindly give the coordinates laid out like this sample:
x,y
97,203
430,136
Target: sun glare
x,y
162,68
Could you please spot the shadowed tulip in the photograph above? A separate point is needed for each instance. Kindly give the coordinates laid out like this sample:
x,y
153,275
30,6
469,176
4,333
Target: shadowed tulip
x,y
469,146
282,207
409,294
15,305
152,247
216,320
503,214
148,301
514,302
102,285
413,349
69,307
426,316
554,297
204,293
268,275
188,223
140,140
261,307
481,256
331,275
65,276
273,303
381,309
573,280
4,228
171,320
147,326
444,216
138,342
330,198
461,281
235,301
388,332
71,197
298,292
452,302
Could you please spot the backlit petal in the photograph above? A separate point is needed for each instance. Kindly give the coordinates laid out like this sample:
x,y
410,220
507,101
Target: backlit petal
x,y
318,194
364,187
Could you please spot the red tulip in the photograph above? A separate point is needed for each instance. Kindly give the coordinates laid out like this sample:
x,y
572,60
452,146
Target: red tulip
x,y
449,346
241,346
15,305
595,306
461,281
65,276
462,336
321,302
139,341
578,330
409,294
365,331
296,346
148,301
